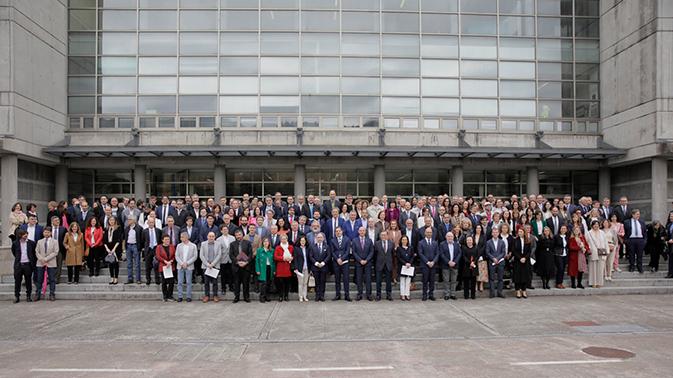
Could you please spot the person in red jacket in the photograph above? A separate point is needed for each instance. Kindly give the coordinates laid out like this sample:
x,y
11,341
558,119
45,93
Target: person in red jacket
x,y
283,255
165,254
93,237
578,248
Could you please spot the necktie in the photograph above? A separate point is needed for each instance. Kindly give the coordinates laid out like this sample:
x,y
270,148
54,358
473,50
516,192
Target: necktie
x,y
362,243
152,236
56,233
46,245
624,210
385,247
165,214
170,235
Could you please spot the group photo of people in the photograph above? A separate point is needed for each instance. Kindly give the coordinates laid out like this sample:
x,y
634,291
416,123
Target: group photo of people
x,y
286,248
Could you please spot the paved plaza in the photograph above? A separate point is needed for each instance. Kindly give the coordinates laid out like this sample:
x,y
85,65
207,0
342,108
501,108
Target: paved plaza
x,y
541,336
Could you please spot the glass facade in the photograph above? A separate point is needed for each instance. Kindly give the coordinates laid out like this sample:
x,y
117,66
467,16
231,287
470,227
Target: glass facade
x,y
437,64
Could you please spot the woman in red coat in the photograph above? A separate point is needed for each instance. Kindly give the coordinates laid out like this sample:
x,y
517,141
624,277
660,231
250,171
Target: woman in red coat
x,y
93,237
577,257
283,255
165,254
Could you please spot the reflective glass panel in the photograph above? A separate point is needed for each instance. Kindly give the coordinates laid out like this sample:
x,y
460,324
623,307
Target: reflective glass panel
x,y
280,20
359,85
157,43
478,48
439,68
158,20
280,43
157,85
198,85
320,66
479,108
198,104
198,43
279,66
472,24
400,105
237,66
400,67
517,89
238,105
116,105
400,22
401,45
239,20
117,20
360,44
279,85
239,85
517,48
117,85
320,104
320,44
117,66
156,104
400,87
239,44
158,66
360,105
517,70
517,108
360,66
474,68
198,20
478,88
320,21
279,104
517,26
439,87
319,85
439,47
118,44
478,6
360,22
198,66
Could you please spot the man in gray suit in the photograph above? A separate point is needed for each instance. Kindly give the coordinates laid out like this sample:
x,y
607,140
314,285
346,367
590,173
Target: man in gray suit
x,y
210,254
495,251
384,265
171,230
185,255
449,255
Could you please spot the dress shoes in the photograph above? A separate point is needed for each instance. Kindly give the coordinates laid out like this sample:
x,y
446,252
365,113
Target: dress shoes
x,y
28,299
348,299
17,300
179,300
501,295
189,300
52,297
388,297
378,298
358,298
432,298
369,298
453,297
247,300
337,298
236,300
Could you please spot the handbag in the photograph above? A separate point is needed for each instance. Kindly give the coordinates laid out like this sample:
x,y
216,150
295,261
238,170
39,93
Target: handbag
x,y
111,258
311,281
602,252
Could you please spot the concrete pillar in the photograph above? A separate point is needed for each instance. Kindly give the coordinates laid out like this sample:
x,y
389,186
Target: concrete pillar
x,y
604,183
532,181
659,189
299,180
457,180
61,183
220,179
9,192
379,180
139,172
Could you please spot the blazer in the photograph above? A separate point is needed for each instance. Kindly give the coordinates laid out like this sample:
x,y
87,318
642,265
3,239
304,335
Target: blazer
x,y
341,251
139,235
445,255
246,248
351,231
319,255
163,256
146,239
97,237
294,240
420,234
299,259
359,253
283,268
328,227
75,250
195,237
262,256
384,257
176,234
203,232
61,235
559,250
117,238
403,218
39,230
189,258
494,251
49,254
327,207
627,229
203,254
160,213
16,251
428,252
82,219
621,215
405,256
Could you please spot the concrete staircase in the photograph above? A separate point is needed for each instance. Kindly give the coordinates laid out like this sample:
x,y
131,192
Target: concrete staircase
x,y
97,288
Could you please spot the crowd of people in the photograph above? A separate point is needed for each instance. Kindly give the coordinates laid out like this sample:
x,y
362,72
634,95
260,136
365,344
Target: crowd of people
x,y
277,244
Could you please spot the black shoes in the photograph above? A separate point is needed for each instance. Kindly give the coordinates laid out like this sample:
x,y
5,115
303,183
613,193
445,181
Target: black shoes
x,y
348,299
388,297
236,300
501,295
432,298
359,297
453,297
28,299
369,298
17,300
337,298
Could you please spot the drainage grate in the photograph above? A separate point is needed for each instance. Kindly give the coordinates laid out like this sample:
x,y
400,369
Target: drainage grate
x,y
608,352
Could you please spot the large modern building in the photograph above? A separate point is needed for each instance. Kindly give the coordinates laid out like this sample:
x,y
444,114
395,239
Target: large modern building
x,y
224,97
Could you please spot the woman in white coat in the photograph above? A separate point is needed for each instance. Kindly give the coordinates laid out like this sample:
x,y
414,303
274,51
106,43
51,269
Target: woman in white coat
x,y
598,245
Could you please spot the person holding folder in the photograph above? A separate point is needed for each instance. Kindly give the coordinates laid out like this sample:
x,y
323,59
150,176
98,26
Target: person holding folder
x,y
165,254
210,259
405,257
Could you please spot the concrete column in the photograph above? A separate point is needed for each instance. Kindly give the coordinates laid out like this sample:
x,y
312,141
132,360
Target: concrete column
x,y
61,183
659,189
299,180
220,179
139,172
604,183
379,180
532,181
9,193
457,180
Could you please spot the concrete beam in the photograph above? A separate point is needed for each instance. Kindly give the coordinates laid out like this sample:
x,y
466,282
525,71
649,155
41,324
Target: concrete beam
x,y
9,193
299,180
660,189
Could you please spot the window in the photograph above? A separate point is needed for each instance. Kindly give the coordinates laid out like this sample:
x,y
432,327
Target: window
x,y
320,21
320,104
400,23
320,44
115,20
395,5
156,104
555,7
477,6
360,44
517,108
517,26
158,20
400,67
400,45
439,68
81,105
440,106
239,44
239,20
517,89
439,6
198,66
81,85
238,105
81,43
555,49
279,66
198,20
439,47
473,68
198,104
586,72
479,88
239,85
587,51
320,66
479,108
517,6
82,66
280,20
198,43
238,66
82,19
117,66
117,85
157,44
279,104
319,85
197,85
157,85
517,70
158,66
280,85
517,48
280,43
439,87
400,87
360,22
478,24
118,44
360,66
478,48
359,85
400,105
360,105
554,27
116,105
360,4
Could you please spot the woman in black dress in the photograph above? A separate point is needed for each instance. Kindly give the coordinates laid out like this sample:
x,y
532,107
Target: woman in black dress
x,y
470,270
521,267
544,264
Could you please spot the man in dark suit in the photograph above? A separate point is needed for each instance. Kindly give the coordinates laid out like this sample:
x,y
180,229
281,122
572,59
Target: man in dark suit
x,y
555,221
58,234
445,225
428,252
172,230
475,218
495,251
83,214
332,223
420,233
409,229
208,227
623,210
294,234
226,221
320,257
352,225
181,213
606,209
340,247
635,235
25,260
384,265
331,203
406,213
240,253
33,229
151,238
165,210
363,253
450,254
